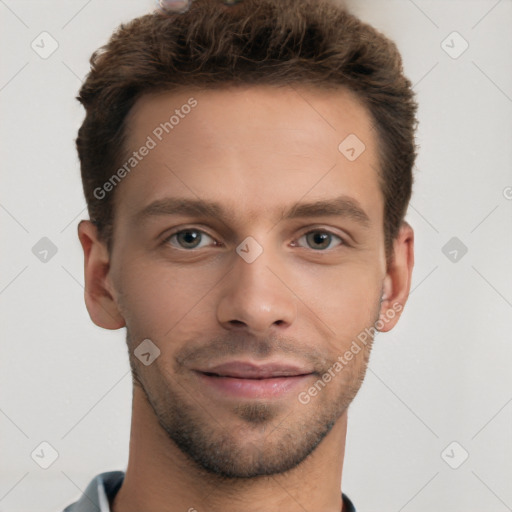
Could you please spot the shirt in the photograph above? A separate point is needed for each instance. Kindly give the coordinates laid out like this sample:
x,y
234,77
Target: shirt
x,y
101,491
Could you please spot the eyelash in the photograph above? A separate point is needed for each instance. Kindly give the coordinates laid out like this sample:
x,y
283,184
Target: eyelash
x,y
325,231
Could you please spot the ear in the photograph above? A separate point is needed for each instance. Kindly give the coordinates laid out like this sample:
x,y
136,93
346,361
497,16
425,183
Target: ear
x,y
99,291
397,282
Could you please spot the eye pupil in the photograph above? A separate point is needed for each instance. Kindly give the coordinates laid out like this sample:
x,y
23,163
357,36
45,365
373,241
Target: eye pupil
x,y
317,237
189,237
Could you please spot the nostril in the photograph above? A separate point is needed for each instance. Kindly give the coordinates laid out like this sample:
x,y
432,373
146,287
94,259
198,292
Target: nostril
x,y
237,322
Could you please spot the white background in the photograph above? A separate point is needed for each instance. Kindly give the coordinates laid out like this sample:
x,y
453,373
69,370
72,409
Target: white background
x,y
442,375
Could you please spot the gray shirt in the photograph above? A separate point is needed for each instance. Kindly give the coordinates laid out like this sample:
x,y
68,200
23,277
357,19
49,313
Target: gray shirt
x,y
101,491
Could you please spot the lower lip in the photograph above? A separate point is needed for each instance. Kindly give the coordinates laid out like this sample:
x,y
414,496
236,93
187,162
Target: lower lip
x,y
253,388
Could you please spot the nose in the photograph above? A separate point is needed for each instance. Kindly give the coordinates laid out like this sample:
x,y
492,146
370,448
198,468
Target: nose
x,y
256,296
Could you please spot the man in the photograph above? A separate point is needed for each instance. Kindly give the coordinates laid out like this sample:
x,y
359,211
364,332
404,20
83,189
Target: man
x,y
247,170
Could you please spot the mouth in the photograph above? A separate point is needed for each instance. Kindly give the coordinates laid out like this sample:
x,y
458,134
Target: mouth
x,y
246,380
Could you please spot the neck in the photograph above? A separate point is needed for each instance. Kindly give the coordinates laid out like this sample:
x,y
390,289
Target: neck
x,y
159,477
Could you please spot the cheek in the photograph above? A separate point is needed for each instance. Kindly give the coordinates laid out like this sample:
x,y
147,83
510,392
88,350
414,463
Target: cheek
x,y
155,298
344,297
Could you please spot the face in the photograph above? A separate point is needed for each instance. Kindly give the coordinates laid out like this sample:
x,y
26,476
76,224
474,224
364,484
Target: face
x,y
249,250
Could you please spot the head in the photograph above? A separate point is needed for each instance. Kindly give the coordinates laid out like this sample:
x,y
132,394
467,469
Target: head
x,y
247,169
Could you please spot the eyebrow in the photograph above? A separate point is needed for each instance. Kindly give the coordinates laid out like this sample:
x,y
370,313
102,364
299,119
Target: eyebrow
x,y
341,206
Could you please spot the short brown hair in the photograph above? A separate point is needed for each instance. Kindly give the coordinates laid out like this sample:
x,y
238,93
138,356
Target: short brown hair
x,y
273,42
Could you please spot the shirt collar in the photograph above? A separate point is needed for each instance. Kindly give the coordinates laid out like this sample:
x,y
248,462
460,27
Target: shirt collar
x,y
100,490
103,487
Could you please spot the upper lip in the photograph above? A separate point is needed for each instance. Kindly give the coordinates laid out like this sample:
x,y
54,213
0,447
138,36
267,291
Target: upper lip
x,y
244,370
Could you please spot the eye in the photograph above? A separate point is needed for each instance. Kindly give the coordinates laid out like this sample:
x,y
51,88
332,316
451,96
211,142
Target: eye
x,y
320,240
188,239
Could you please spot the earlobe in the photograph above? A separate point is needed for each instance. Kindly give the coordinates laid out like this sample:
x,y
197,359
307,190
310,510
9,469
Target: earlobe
x,y
397,281
98,294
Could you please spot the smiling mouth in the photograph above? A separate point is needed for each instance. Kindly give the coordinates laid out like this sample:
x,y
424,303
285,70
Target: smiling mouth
x,y
252,370
246,377
228,387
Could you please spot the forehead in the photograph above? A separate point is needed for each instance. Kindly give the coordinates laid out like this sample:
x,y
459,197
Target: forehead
x,y
255,148
302,111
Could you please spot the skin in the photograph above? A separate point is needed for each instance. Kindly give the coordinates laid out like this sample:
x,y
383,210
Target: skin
x,y
258,150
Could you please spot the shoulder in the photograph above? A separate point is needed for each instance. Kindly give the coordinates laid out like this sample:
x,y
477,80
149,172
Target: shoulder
x,y
348,506
99,493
